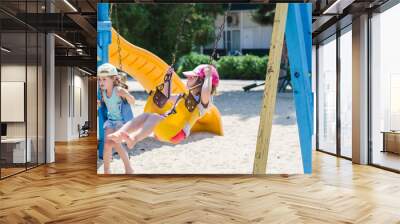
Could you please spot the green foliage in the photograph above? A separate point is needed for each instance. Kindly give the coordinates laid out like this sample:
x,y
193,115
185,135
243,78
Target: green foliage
x,y
247,67
156,27
229,67
190,61
252,67
264,15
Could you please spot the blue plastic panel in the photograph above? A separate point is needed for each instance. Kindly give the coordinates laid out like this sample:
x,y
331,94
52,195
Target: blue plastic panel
x,y
103,41
298,42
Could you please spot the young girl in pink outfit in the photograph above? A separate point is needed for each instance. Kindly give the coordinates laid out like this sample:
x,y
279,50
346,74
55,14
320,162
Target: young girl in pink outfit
x,y
201,83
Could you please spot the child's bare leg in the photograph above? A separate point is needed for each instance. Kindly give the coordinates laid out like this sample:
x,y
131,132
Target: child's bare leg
x,y
148,127
135,124
107,152
130,126
125,158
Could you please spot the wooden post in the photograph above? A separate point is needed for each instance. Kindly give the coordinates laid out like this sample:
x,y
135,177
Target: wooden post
x,y
271,85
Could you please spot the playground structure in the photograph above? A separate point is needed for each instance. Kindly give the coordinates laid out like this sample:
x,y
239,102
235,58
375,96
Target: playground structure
x,y
148,69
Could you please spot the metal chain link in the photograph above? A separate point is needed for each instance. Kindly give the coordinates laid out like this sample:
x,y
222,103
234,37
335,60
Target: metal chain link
x,y
178,39
220,31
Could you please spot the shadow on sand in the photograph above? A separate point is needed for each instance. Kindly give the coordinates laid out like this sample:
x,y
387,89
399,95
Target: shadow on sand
x,y
150,143
247,105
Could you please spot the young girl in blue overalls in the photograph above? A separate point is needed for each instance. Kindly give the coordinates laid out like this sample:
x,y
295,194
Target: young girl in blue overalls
x,y
117,101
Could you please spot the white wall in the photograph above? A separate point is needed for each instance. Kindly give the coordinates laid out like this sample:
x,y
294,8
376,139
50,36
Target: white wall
x,y
33,126
71,102
80,109
61,103
12,73
16,73
252,35
314,90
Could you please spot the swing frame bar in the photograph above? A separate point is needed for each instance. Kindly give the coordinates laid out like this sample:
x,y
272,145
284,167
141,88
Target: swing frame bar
x,y
103,41
292,21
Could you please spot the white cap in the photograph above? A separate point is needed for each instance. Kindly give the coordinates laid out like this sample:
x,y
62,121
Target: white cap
x,y
106,69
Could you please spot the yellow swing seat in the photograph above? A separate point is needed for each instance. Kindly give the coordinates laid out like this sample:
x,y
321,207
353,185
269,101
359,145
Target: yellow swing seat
x,y
174,123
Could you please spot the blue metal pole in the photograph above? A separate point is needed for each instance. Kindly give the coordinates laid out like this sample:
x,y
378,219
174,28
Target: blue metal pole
x,y
298,42
103,41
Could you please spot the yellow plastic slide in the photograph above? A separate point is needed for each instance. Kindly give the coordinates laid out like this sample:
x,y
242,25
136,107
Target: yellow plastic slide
x,y
149,70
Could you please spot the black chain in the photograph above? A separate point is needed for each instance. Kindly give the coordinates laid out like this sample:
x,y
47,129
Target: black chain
x,y
179,36
118,36
178,39
220,31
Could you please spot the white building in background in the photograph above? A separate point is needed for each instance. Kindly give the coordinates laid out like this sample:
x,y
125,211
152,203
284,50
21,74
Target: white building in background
x,y
241,33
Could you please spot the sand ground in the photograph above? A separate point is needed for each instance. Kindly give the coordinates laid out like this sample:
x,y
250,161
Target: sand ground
x,y
233,153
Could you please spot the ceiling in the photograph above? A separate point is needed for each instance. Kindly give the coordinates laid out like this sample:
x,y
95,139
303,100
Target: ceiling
x,y
331,15
74,22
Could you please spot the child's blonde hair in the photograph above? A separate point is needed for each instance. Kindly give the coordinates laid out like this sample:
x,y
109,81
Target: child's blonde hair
x,y
122,78
117,82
